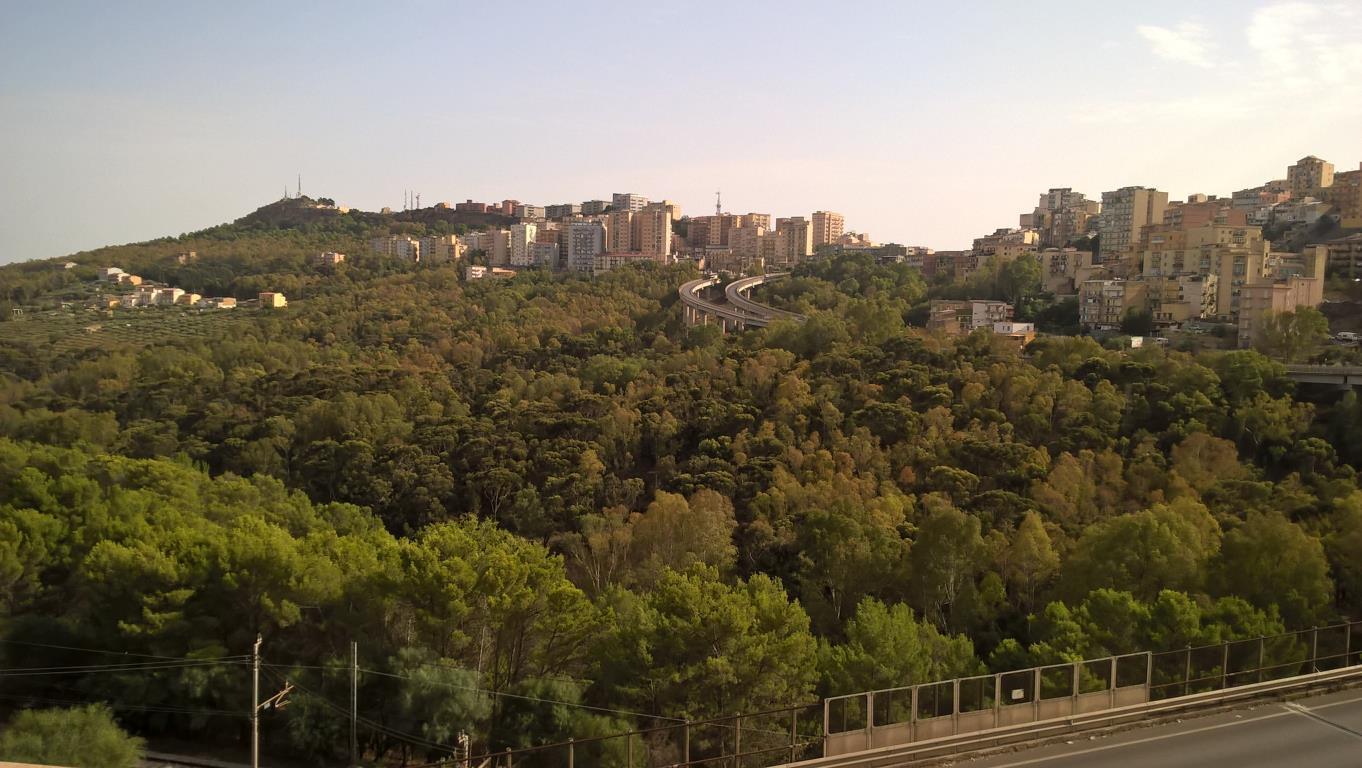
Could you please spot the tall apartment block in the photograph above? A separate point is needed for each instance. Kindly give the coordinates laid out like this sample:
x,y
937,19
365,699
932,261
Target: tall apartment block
x,y
1124,212
522,237
654,225
793,242
827,227
585,240
628,201
619,231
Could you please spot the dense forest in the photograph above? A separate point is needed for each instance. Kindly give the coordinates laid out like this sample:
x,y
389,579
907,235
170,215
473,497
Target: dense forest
x,y
547,508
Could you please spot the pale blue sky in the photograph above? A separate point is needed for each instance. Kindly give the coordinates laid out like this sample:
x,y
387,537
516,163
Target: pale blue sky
x,y
924,123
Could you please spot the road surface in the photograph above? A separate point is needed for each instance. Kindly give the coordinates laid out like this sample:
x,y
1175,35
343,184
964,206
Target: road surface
x,y
1318,732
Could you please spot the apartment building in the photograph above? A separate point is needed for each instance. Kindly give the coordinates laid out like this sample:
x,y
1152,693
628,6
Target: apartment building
x,y
1345,195
745,241
619,231
468,206
585,240
328,259
1343,255
627,201
1258,301
654,225
1175,300
1061,215
527,212
562,211
1196,213
1104,304
594,207
793,242
1063,269
962,316
1124,213
1308,176
827,227
440,249
397,246
522,237
544,254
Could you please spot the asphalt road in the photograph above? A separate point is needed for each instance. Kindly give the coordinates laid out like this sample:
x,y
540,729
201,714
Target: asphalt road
x,y
1318,732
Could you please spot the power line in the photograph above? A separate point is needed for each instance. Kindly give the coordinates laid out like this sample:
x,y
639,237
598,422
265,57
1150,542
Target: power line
x,y
153,667
372,725
111,653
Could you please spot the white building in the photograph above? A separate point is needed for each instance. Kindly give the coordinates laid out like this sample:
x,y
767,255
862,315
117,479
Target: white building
x,y
522,237
585,240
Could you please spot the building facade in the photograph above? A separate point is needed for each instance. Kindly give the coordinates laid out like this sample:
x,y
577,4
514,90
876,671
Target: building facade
x,y
1124,212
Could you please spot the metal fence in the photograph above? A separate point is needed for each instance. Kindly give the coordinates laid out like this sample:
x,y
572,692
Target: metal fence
x,y
870,719
750,740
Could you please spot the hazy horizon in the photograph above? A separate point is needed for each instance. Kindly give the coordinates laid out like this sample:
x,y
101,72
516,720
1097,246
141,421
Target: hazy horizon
x,y
923,125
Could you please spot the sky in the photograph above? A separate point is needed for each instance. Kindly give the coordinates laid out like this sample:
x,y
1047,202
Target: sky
x,y
924,123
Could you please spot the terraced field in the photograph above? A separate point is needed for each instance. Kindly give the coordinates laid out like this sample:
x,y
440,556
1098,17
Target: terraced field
x,y
75,329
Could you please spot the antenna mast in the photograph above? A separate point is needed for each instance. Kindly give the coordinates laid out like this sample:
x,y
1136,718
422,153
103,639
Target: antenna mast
x,y
300,185
718,205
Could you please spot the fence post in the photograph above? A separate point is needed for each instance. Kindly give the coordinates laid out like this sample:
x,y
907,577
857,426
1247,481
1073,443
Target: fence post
x,y
571,754
869,720
1225,665
1148,675
1262,642
1078,676
685,741
794,735
629,750
955,707
997,699
1314,649
508,758
1111,684
827,722
912,716
1035,696
1348,645
1187,673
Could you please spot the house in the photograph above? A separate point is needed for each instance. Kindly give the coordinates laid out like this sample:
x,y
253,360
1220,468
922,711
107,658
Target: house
x,y
273,300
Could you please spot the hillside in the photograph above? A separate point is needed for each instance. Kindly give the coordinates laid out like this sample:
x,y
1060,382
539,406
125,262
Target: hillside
x,y
546,507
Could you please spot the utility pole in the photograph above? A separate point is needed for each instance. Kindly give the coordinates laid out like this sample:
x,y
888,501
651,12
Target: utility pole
x,y
255,706
354,701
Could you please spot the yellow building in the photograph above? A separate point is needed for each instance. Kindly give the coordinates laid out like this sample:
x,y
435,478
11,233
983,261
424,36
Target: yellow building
x,y
1175,300
827,227
1124,213
1103,304
1345,195
273,300
654,226
793,242
1258,301
1308,176
619,231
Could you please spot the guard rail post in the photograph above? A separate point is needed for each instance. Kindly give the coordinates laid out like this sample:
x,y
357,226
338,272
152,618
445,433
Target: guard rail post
x,y
1314,649
1225,665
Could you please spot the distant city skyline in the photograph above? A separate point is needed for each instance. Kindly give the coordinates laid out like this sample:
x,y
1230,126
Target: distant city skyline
x,y
922,125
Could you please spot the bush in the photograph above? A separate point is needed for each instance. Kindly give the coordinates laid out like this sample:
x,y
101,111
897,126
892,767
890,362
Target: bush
x,y
86,736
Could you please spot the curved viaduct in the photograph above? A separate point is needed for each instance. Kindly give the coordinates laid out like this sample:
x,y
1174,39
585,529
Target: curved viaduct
x,y
737,312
